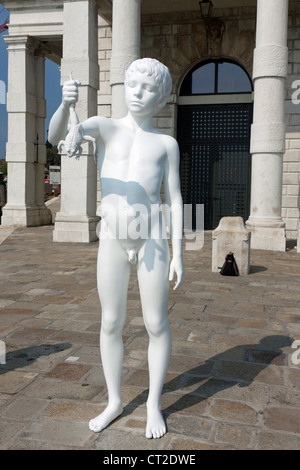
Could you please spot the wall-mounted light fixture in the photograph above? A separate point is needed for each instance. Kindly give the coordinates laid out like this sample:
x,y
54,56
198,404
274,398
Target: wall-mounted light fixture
x,y
206,7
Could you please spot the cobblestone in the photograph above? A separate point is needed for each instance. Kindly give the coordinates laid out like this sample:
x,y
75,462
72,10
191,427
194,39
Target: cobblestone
x,y
231,383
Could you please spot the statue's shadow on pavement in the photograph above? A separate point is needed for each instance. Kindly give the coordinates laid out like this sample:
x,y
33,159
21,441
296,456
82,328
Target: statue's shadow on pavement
x,y
237,366
23,357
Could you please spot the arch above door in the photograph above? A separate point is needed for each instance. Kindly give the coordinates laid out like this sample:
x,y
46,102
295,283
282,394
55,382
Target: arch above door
x,y
215,77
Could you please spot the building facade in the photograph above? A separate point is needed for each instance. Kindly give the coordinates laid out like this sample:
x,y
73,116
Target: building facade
x,y
234,107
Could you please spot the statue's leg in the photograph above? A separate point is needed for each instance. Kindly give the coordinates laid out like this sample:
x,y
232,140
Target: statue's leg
x,y
153,270
113,271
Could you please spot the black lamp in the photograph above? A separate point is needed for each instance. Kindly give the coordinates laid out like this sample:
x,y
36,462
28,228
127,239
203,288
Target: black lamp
x,y
206,7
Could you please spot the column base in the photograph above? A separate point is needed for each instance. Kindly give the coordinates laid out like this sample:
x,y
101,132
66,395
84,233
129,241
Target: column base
x,y
267,234
25,216
77,229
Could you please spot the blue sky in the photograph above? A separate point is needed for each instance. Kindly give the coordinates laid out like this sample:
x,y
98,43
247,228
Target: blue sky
x,y
52,87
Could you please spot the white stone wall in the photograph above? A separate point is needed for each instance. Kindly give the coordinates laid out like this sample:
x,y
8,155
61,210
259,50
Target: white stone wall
x,y
104,48
104,93
291,165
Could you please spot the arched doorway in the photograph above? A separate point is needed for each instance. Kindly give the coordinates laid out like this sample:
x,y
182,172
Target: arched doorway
x,y
213,131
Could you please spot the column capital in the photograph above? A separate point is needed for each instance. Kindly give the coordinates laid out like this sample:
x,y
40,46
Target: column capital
x,y
21,42
26,42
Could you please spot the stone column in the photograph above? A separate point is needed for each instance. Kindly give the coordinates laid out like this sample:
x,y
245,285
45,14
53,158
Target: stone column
x,y
126,26
77,220
25,151
268,129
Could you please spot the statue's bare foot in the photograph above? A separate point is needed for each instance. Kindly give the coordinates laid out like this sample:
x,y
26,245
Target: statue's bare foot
x,y
156,426
104,419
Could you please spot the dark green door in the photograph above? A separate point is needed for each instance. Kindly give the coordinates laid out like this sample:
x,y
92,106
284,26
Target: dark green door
x,y
214,144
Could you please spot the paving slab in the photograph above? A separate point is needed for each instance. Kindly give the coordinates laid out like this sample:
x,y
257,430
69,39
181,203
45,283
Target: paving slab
x,y
12,381
59,432
233,381
5,232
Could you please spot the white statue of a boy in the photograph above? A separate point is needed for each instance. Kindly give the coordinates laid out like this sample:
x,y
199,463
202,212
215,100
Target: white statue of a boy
x,y
133,160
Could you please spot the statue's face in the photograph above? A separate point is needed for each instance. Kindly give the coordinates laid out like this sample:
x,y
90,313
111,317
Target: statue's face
x,y
141,94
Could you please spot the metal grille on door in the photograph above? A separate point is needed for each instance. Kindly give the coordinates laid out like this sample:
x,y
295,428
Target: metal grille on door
x,y
215,162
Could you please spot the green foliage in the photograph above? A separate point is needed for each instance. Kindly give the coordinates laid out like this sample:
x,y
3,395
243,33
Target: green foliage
x,y
3,167
53,158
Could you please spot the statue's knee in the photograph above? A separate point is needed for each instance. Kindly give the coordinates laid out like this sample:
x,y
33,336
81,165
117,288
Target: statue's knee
x,y
156,326
111,326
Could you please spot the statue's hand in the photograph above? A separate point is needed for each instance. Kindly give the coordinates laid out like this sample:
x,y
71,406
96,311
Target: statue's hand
x,y
176,267
70,92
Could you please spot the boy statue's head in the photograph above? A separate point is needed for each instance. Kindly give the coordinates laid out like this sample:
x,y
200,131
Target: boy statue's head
x,y
158,71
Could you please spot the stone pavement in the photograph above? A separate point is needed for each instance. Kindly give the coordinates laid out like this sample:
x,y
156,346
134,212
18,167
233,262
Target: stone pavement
x,y
231,384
